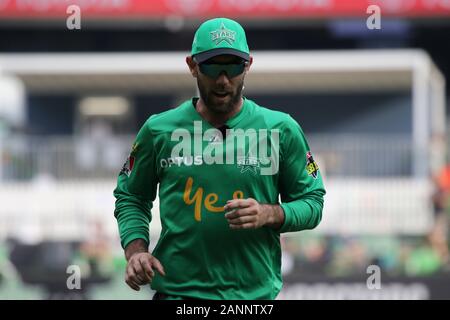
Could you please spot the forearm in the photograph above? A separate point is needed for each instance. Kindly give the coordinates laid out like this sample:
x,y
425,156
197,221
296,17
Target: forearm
x,y
274,214
135,246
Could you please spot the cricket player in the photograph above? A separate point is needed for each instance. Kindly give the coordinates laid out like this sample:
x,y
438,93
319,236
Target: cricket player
x,y
222,163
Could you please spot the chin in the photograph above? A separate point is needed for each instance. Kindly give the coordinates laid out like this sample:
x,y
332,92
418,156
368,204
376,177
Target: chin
x,y
220,107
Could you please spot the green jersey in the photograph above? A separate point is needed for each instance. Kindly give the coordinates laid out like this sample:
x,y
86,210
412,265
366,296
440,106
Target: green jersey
x,y
262,155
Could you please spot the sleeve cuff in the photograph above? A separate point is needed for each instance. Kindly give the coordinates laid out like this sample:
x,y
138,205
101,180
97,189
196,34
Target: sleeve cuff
x,y
293,216
133,236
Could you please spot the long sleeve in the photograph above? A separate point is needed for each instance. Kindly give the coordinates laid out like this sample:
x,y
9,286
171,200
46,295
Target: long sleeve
x,y
301,187
136,189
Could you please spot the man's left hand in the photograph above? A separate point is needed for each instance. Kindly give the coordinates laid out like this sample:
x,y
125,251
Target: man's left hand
x,y
249,214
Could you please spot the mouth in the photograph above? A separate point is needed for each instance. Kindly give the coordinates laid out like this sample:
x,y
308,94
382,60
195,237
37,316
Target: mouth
x,y
219,94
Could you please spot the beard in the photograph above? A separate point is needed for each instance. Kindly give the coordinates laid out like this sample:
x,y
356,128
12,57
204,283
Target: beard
x,y
214,104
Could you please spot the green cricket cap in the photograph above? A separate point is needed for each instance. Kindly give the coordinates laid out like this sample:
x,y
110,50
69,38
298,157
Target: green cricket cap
x,y
219,36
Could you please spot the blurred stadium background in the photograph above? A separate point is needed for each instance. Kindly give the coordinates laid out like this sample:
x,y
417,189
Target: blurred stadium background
x,y
371,102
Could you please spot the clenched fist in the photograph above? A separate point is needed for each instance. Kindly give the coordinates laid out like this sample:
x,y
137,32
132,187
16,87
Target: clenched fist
x,y
250,214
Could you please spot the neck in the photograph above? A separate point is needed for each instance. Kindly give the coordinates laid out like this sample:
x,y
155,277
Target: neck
x,y
217,119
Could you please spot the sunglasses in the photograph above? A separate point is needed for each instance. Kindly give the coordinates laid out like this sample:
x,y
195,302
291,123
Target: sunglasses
x,y
213,70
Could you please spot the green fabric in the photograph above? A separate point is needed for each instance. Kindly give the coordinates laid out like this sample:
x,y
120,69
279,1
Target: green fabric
x,y
220,33
202,256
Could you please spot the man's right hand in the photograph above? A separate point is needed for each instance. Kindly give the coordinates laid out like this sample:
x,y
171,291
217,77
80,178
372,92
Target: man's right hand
x,y
141,265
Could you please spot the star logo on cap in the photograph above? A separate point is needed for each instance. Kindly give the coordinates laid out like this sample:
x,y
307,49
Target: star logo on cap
x,y
223,34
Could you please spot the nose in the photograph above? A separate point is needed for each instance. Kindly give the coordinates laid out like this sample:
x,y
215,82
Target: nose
x,y
222,79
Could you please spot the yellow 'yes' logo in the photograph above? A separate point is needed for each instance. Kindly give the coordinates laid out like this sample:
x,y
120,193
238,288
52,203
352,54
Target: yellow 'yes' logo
x,y
209,201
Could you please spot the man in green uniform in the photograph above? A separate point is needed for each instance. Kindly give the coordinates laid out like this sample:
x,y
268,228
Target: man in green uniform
x,y
222,163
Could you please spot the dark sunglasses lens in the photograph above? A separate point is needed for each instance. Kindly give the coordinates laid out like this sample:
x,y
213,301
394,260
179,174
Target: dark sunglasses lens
x,y
214,70
235,69
211,70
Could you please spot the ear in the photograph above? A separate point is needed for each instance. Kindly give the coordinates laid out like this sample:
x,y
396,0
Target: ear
x,y
192,66
247,68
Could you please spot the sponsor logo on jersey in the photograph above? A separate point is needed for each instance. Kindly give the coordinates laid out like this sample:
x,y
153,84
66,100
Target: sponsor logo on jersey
x,y
311,165
200,200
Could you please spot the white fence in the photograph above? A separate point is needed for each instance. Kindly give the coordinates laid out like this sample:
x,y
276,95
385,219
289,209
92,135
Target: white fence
x,y
377,206
69,158
59,187
63,158
70,210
